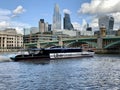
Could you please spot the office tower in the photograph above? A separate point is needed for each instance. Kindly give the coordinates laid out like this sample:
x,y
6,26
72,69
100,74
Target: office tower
x,y
56,18
67,22
49,27
88,28
41,26
108,22
46,27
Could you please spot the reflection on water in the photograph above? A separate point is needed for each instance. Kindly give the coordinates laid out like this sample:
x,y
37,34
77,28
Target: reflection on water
x,y
42,62
101,72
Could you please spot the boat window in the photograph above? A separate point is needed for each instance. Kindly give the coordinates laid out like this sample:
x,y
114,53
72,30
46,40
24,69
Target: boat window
x,y
33,51
23,52
36,52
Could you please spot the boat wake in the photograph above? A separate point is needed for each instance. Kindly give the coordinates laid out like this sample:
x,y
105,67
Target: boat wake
x,y
4,58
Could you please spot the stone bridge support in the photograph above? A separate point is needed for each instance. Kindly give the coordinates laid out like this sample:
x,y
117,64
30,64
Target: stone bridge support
x,y
100,43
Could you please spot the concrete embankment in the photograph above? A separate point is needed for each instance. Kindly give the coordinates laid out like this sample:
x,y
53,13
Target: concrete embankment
x,y
104,51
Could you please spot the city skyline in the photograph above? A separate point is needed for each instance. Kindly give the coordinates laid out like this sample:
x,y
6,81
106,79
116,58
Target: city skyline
x,y
21,13
108,23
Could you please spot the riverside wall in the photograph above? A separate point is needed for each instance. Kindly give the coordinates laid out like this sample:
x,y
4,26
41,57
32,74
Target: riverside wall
x,y
104,51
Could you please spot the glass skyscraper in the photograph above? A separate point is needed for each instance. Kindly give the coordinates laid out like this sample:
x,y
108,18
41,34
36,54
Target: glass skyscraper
x,y
56,18
67,22
108,22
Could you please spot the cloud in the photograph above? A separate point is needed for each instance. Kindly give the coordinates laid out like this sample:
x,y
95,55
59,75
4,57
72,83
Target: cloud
x,y
4,12
18,10
76,25
94,24
19,30
13,24
83,26
19,24
4,24
117,20
6,19
97,8
66,11
80,27
116,16
100,7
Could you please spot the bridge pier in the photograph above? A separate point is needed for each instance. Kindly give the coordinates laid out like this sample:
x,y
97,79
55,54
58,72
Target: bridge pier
x,y
100,43
60,41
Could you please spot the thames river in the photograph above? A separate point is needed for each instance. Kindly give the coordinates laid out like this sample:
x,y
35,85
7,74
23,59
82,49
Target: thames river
x,y
101,72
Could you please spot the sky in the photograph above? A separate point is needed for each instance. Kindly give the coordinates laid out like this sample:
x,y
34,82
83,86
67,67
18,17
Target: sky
x,y
21,14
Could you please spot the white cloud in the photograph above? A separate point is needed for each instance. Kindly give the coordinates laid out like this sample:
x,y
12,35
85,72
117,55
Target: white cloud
x,y
4,24
66,11
79,26
117,20
84,23
4,12
94,24
18,10
116,16
76,25
19,30
100,7
83,26
13,24
6,20
19,26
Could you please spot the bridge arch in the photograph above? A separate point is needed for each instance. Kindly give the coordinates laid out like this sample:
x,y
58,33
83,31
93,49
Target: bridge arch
x,y
112,44
92,44
49,45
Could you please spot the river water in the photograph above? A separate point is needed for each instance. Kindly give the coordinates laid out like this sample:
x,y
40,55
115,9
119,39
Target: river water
x,y
101,72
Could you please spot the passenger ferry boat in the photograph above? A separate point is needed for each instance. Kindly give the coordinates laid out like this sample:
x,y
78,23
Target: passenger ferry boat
x,y
51,53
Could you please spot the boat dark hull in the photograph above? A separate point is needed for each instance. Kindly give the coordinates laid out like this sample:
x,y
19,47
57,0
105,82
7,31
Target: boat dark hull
x,y
29,58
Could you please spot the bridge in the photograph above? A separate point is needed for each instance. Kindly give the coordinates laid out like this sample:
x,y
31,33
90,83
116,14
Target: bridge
x,y
93,42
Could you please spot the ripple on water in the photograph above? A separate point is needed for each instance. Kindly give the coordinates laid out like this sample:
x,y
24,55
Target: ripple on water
x,y
97,73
